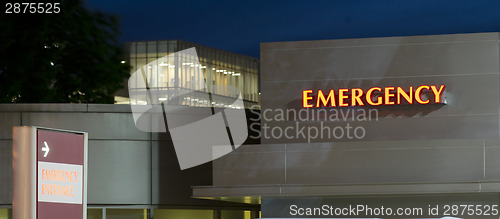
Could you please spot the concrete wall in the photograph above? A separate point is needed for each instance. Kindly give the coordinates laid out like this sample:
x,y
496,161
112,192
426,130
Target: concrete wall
x,y
423,161
468,64
450,148
119,155
126,166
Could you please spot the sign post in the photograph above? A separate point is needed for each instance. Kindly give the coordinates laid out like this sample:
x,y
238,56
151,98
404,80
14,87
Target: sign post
x,y
49,173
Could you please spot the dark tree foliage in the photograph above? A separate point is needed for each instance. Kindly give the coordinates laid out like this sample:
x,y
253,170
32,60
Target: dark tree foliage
x,y
69,57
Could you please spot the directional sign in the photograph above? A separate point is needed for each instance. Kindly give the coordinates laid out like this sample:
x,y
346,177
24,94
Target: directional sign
x,y
50,177
46,149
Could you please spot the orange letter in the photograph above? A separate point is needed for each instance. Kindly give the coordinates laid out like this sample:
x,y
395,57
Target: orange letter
x,y
321,97
65,190
44,189
356,97
437,94
342,96
67,176
408,98
388,96
369,96
306,97
417,94
44,174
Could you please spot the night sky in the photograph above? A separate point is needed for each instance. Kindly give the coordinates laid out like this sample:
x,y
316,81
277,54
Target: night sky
x,y
240,26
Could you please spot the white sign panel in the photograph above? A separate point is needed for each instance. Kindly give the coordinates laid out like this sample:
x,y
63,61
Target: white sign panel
x,y
60,183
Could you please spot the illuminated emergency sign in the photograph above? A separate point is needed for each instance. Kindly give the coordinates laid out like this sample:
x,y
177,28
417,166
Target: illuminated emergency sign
x,y
375,96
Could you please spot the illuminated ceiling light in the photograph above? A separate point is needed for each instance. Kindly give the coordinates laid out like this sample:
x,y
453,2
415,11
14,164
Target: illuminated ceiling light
x,y
162,98
203,66
236,74
51,63
123,62
213,68
187,63
171,66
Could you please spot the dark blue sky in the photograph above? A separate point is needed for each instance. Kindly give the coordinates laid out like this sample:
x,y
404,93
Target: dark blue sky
x,y
240,26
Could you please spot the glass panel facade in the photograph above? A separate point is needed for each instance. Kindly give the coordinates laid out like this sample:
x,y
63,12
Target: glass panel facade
x,y
247,214
97,213
217,67
94,213
182,214
5,213
235,214
126,213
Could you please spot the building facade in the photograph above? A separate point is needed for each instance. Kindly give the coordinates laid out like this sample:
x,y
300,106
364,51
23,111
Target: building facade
x,y
218,68
131,174
404,122
377,120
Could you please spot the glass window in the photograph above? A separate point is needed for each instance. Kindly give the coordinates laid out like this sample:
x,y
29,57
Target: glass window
x,y
140,64
233,214
152,74
248,214
5,213
152,49
132,48
126,213
182,214
172,46
217,68
133,66
162,49
141,49
94,213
